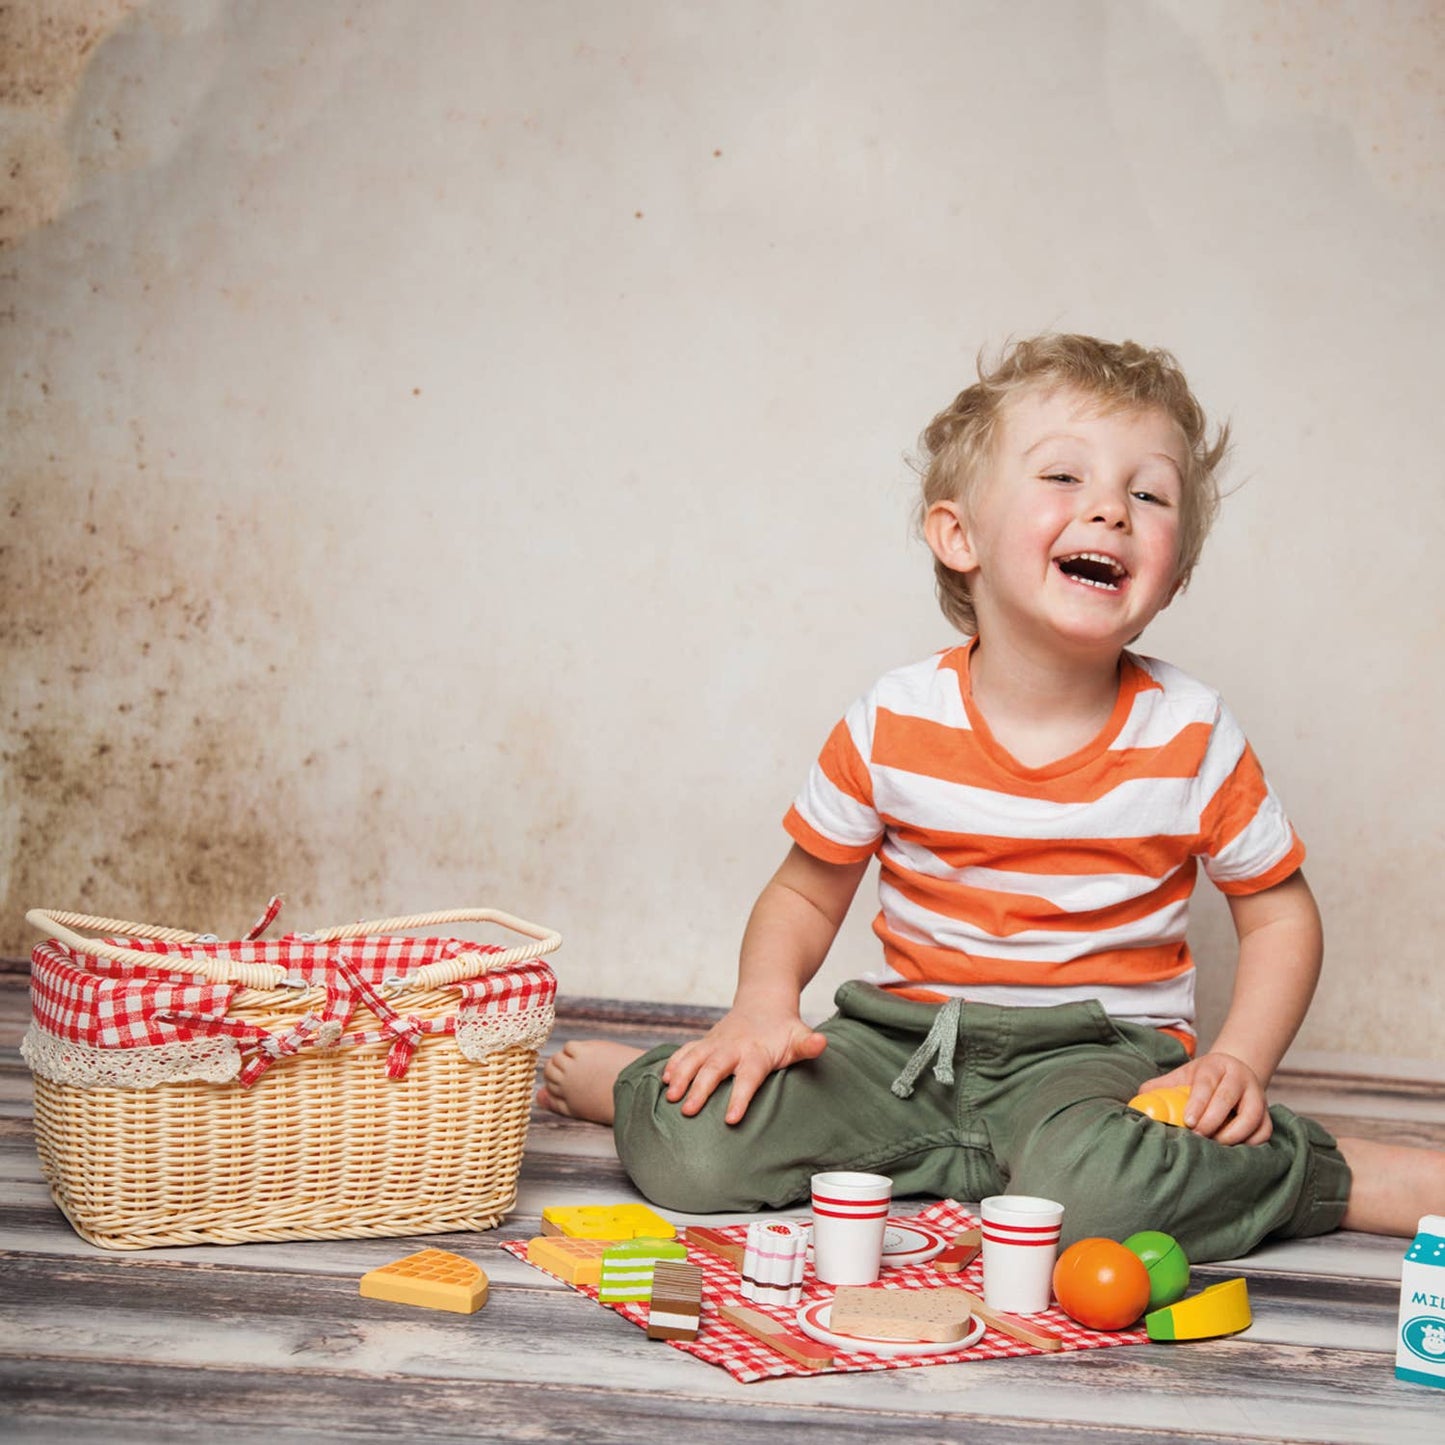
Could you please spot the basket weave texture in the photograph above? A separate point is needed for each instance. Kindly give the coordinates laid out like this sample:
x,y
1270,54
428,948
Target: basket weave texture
x,y
377,1123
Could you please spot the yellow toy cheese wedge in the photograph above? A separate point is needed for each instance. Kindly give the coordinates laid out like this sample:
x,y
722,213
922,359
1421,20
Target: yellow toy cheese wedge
x,y
431,1278
1165,1105
1222,1309
606,1221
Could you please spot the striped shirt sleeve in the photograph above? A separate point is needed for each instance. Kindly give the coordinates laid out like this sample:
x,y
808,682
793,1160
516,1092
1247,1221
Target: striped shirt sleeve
x,y
1246,842
834,817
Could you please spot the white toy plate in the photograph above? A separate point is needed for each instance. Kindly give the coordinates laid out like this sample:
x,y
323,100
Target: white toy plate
x,y
815,1321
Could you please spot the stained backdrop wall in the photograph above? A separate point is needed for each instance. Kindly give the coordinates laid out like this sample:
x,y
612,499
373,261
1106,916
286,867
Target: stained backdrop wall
x,y
457,452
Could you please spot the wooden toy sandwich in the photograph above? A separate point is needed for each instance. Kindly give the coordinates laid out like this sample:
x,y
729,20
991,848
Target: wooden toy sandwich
x,y
880,1313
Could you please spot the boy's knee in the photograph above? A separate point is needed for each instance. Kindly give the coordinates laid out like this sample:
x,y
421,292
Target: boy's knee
x,y
695,1165
689,1179
1112,1177
1116,1173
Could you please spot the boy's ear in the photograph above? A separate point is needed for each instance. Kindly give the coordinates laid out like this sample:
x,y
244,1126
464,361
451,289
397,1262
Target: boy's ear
x,y
945,529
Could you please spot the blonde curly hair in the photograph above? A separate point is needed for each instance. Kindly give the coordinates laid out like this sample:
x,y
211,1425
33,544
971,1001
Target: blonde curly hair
x,y
1121,376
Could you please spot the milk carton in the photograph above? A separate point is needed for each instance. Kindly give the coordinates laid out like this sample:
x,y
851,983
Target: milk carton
x,y
1420,1351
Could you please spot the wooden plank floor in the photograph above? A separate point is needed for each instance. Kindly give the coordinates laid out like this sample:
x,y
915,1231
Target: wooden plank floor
x,y
271,1342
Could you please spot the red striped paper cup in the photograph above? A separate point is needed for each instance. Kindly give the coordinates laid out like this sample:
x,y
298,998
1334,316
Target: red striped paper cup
x,y
1020,1243
849,1214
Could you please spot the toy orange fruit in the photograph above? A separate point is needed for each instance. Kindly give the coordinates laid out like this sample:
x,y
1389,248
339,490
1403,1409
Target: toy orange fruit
x,y
1101,1284
1165,1105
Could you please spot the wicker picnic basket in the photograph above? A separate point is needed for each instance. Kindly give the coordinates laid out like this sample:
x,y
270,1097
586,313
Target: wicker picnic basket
x,y
355,1082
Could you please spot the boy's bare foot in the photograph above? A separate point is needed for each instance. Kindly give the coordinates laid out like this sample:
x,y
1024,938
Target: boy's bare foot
x,y
1393,1186
577,1080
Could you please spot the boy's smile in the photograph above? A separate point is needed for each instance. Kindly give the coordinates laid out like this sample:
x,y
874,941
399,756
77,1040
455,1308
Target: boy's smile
x,y
1094,568
1071,534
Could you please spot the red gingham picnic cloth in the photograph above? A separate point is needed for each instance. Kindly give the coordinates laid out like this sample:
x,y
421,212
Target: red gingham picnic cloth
x,y
744,1358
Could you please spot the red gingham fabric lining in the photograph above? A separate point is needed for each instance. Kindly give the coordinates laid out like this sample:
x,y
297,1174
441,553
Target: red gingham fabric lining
x,y
114,1005
108,1005
745,1359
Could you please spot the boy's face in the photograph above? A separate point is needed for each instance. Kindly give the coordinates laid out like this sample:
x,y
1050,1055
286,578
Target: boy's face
x,y
1071,534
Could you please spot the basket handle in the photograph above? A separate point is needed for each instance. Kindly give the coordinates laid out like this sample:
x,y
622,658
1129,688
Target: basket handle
x,y
216,970
271,975
465,965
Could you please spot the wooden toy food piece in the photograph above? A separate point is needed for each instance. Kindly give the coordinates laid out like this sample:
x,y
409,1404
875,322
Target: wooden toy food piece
x,y
1015,1327
431,1278
676,1301
577,1261
1101,1284
960,1253
773,1262
790,1343
606,1221
1166,1262
1165,1105
627,1267
714,1241
881,1313
1222,1309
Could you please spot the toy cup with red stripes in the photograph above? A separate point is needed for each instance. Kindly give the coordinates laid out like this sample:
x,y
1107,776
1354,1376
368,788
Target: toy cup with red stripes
x,y
1020,1243
849,1213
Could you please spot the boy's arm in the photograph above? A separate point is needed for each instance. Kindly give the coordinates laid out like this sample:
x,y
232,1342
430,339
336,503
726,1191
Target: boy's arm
x,y
1281,944
791,929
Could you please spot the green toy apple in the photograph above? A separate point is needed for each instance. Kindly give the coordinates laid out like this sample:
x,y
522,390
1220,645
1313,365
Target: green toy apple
x,y
1166,1262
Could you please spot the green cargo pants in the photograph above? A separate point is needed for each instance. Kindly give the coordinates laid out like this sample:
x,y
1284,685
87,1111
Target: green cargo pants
x,y
1017,1100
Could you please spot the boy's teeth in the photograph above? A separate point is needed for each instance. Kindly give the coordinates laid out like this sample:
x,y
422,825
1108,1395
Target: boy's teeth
x,y
1092,568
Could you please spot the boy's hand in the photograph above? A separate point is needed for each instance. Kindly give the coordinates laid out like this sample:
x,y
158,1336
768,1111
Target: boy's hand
x,y
747,1047
1226,1099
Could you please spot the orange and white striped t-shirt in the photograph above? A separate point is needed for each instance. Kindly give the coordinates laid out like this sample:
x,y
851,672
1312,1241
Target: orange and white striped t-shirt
x,y
1026,886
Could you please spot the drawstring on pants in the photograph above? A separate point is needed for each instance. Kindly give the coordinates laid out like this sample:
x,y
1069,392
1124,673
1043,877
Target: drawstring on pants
x,y
939,1046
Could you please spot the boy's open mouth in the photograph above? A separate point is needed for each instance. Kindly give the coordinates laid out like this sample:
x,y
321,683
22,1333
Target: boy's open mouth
x,y
1093,568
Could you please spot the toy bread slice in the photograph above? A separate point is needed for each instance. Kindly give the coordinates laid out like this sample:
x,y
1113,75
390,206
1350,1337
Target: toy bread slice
x,y
433,1279
900,1314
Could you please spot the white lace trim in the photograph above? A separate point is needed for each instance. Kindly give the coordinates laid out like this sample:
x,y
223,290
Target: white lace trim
x,y
217,1060
207,1060
481,1034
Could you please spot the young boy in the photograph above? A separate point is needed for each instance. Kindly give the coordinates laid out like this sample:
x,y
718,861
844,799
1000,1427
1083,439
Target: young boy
x,y
1038,799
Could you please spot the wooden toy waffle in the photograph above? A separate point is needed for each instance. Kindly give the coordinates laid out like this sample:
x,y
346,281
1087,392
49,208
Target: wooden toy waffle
x,y
431,1278
574,1261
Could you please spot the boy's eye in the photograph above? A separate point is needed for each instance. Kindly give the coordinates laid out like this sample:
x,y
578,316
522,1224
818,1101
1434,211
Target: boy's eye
x,y
1060,477
1146,496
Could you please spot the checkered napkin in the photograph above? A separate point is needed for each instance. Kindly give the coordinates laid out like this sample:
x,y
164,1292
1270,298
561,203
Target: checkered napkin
x,y
745,1359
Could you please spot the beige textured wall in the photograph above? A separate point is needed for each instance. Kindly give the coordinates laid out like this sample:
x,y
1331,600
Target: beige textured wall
x,y
454,452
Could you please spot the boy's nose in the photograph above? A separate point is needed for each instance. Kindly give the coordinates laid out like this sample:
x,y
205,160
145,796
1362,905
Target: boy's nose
x,y
1109,510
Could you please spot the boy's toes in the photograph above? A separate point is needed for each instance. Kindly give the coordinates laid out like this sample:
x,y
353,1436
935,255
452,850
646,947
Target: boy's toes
x,y
544,1099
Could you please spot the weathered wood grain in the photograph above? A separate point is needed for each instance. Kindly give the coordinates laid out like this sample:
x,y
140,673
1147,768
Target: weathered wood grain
x,y
147,1315
262,1404
272,1341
